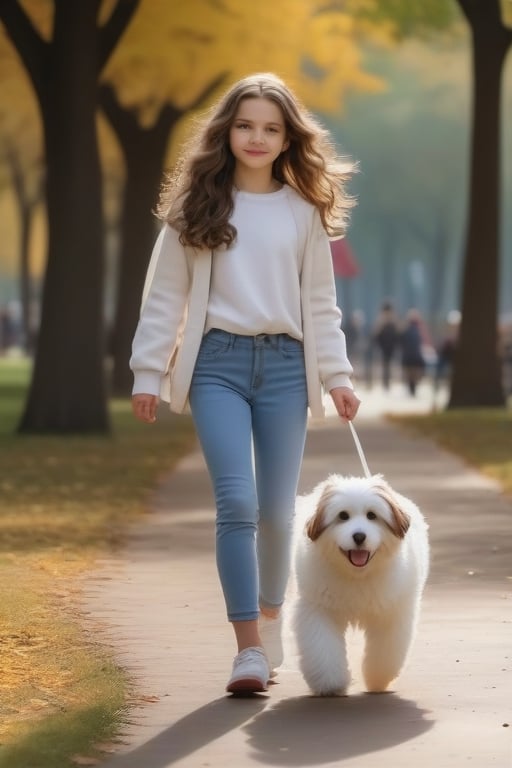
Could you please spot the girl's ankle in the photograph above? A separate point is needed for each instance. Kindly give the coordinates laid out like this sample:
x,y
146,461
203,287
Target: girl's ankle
x,y
269,613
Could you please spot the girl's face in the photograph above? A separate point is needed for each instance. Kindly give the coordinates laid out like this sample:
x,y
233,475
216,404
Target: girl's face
x,y
258,134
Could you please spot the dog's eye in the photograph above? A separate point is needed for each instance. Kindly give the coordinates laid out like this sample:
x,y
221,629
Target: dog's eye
x,y
343,515
371,515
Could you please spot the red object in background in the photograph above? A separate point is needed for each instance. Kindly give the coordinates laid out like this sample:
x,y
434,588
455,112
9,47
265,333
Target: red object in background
x,y
343,259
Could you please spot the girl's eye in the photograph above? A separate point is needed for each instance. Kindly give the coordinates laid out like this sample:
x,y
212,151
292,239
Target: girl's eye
x,y
343,515
371,515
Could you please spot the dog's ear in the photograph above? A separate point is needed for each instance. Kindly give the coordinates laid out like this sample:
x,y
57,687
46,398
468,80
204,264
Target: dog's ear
x,y
317,524
401,520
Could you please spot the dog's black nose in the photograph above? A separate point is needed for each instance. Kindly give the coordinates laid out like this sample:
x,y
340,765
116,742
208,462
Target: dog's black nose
x,y
359,538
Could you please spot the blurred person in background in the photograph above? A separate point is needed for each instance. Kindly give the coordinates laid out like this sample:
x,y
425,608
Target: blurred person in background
x,y
413,339
386,337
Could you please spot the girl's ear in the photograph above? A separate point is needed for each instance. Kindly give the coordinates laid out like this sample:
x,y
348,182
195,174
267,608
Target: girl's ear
x,y
285,145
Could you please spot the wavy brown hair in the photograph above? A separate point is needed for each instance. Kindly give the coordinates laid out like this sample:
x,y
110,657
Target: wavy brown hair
x,y
196,198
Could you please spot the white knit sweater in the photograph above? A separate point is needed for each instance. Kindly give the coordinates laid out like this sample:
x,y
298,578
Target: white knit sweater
x,y
255,285
178,304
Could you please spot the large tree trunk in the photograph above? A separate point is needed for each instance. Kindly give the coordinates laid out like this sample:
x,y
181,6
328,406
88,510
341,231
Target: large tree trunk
x,y
477,379
67,392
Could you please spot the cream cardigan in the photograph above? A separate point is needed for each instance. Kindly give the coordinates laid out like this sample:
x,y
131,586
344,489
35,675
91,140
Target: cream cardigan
x,y
174,306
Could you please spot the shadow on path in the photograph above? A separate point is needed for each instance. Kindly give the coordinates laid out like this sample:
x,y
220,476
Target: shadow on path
x,y
301,731
306,731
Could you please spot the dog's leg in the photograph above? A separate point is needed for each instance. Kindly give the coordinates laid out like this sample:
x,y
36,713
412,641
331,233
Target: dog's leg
x,y
322,651
386,648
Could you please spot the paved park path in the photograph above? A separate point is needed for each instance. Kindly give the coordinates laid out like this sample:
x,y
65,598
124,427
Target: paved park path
x,y
158,603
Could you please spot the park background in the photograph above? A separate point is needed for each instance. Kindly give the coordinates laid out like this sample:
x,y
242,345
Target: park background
x,y
401,108
112,92
394,84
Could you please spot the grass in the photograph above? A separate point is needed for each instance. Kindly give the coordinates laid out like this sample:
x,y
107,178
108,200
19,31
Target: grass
x,y
65,502
482,437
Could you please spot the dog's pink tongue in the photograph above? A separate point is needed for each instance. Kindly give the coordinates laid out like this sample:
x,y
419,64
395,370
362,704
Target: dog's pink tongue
x,y
359,557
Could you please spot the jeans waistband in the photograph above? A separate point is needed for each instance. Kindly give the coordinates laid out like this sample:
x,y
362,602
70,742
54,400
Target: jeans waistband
x,y
275,340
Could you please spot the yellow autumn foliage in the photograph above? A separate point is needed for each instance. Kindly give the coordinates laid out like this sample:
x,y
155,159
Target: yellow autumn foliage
x,y
174,55
172,51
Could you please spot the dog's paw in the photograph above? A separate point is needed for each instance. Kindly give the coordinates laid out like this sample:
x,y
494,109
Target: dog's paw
x,y
379,672
327,683
379,683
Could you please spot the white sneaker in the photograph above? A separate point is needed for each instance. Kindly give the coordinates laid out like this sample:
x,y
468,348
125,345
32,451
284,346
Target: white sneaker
x,y
271,636
250,672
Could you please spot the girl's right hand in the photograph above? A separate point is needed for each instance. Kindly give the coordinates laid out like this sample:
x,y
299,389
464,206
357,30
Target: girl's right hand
x,y
144,407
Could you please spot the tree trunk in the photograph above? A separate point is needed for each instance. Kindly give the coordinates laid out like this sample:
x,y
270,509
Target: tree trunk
x,y
144,152
439,269
26,203
476,379
25,281
67,392
138,232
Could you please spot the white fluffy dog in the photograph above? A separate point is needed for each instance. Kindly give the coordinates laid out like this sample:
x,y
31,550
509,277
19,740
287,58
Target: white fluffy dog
x,y
361,559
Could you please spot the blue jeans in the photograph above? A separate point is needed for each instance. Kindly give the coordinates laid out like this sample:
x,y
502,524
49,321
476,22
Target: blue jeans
x,y
248,393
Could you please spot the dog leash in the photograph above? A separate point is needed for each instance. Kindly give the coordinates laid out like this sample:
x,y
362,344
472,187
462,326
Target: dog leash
x,y
359,449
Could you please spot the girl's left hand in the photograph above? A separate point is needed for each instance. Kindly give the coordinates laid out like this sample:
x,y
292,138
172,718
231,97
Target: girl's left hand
x,y
346,402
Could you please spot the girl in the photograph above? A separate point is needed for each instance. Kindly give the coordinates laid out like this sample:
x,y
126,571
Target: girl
x,y
239,320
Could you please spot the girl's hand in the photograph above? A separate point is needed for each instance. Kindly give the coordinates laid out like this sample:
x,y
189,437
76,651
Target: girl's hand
x,y
144,407
346,402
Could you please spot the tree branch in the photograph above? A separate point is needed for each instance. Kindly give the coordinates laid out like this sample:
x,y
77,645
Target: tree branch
x,y
115,113
27,41
123,119
207,92
487,14
475,9
114,28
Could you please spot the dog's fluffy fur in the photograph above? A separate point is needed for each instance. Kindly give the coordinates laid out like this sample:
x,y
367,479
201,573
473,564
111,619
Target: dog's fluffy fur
x,y
361,559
